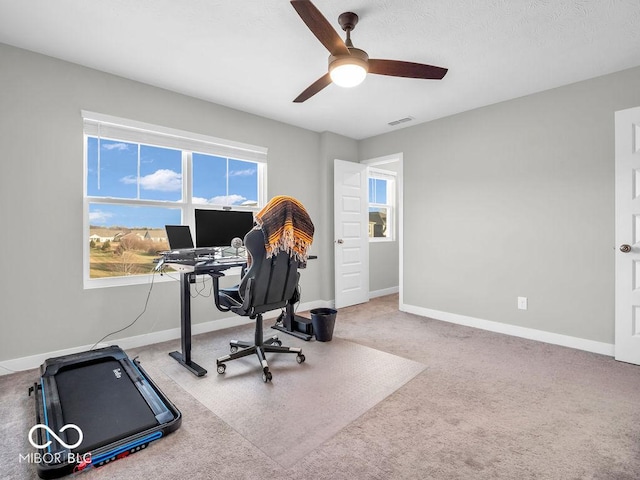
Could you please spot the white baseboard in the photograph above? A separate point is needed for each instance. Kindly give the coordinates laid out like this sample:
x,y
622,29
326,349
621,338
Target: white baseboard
x,y
34,361
305,307
383,292
514,330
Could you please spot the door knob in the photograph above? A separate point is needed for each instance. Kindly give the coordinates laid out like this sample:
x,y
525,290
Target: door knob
x,y
625,248
340,241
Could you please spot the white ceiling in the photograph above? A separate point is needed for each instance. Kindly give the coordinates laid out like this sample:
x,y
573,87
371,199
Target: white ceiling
x,y
258,55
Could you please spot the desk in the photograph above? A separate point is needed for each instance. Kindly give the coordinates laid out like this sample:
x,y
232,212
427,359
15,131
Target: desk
x,y
189,268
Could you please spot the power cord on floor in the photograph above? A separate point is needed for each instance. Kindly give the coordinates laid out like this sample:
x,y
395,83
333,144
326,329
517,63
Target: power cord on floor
x,y
153,275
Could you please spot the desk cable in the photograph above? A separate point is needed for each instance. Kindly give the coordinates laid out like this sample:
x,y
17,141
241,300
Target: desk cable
x,y
198,291
146,303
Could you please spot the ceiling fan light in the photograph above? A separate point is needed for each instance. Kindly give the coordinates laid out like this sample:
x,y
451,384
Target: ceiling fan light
x,y
349,70
348,75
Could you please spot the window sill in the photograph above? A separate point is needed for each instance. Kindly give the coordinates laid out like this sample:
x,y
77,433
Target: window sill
x,y
381,240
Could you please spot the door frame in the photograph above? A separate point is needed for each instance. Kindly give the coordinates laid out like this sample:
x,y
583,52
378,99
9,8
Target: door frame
x,y
393,158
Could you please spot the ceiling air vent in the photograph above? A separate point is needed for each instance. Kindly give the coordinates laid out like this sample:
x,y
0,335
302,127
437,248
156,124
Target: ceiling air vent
x,y
402,120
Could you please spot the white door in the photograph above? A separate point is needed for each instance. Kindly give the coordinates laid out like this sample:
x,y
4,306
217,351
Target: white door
x,y
351,229
627,131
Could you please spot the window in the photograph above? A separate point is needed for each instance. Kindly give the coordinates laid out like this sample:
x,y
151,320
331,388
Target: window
x,y
381,205
139,178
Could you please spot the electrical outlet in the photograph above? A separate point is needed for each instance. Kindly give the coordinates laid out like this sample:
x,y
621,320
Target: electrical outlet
x,y
522,303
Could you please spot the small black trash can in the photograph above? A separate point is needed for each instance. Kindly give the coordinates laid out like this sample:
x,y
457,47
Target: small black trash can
x,y
323,321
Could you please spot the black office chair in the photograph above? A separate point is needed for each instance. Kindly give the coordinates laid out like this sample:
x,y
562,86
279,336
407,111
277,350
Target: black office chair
x,y
267,285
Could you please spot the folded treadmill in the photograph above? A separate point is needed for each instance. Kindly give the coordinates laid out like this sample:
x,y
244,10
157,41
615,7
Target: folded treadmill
x,y
93,408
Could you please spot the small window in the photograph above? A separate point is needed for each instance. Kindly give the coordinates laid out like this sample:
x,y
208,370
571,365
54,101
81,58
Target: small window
x,y
381,205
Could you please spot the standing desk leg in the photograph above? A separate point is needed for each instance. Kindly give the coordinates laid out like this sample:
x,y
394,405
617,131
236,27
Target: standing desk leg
x,y
184,358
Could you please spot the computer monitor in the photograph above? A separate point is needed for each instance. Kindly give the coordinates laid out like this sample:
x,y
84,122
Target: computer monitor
x,y
216,228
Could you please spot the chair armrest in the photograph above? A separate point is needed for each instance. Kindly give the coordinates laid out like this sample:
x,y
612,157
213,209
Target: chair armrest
x,y
216,292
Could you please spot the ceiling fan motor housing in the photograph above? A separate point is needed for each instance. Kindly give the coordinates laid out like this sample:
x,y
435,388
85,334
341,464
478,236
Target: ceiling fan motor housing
x,y
357,57
348,21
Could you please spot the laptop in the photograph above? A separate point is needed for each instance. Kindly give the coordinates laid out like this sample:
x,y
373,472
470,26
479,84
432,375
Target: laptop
x,y
179,237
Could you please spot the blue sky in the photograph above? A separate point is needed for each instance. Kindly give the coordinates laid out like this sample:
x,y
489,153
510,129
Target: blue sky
x,y
114,173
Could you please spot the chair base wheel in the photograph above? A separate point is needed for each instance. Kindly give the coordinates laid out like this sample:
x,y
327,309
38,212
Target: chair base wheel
x,y
260,347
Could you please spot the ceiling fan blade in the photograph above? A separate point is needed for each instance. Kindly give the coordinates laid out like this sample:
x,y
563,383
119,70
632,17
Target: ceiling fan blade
x,y
320,27
397,68
314,88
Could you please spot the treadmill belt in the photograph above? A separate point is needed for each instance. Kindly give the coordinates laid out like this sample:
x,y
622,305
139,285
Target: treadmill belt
x,y
101,399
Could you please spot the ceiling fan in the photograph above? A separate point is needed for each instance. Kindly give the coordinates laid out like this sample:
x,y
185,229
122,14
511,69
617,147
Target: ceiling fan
x,y
348,66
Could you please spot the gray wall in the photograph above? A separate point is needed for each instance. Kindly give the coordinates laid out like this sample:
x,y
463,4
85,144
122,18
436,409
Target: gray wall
x,y
332,147
44,305
516,199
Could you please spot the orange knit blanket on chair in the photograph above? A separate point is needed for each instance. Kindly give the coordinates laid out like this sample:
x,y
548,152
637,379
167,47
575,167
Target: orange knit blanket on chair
x,y
286,226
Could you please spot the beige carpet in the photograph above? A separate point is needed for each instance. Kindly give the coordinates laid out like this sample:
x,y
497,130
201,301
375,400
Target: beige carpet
x,y
305,404
486,407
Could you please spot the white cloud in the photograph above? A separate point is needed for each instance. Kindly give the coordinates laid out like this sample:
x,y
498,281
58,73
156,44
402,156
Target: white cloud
x,y
242,173
163,180
227,200
224,200
98,217
115,146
